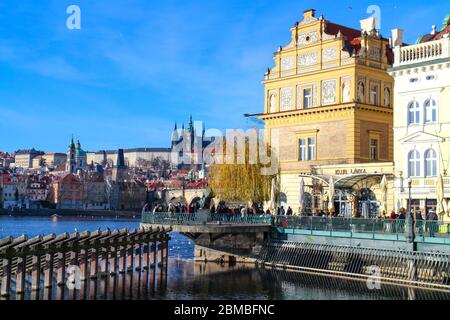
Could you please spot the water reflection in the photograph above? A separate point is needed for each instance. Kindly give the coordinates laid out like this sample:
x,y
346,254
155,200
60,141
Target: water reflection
x,y
185,279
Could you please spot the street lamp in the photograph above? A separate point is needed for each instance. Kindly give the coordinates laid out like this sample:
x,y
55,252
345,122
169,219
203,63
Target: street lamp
x,y
409,195
409,221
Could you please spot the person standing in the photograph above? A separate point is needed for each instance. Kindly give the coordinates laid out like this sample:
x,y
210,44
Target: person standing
x,y
431,223
289,211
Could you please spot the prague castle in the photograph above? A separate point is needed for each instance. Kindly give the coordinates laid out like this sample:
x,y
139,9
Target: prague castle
x,y
328,113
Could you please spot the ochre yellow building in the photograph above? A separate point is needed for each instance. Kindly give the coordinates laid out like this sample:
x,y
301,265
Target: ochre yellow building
x,y
329,116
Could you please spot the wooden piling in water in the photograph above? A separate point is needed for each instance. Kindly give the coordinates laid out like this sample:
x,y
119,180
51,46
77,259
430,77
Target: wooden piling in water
x,y
48,270
20,274
95,252
35,272
6,278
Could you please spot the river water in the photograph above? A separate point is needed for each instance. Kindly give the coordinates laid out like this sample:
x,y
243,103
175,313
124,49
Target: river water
x,y
186,279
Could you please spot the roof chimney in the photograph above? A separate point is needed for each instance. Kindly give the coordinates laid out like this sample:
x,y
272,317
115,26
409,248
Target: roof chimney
x,y
310,13
397,37
433,29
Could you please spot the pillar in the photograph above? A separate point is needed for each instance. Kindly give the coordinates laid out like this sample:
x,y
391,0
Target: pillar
x,y
94,263
20,274
113,261
61,271
73,258
130,258
146,255
153,254
138,257
122,261
105,262
6,277
35,272
161,250
48,271
83,264
166,252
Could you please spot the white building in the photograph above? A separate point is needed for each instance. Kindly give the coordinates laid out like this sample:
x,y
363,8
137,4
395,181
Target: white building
x,y
422,118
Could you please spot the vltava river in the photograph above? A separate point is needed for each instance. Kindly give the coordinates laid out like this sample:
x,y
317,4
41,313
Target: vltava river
x,y
186,279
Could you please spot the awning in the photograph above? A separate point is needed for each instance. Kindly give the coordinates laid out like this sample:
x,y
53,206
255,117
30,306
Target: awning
x,y
349,181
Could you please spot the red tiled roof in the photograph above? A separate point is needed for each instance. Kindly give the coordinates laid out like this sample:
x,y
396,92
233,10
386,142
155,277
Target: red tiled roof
x,y
349,33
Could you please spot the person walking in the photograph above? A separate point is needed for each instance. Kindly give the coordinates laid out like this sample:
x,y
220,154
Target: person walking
x,y
289,211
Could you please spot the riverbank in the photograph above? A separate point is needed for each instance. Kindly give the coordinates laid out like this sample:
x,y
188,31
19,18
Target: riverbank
x,y
71,213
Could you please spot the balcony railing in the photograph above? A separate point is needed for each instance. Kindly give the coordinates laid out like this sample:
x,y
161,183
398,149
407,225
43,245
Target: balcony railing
x,y
422,52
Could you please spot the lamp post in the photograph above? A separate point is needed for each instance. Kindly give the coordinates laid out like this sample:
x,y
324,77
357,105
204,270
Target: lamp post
x,y
409,221
409,195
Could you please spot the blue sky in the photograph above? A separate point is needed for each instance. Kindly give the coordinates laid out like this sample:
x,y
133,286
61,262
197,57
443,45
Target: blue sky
x,y
137,66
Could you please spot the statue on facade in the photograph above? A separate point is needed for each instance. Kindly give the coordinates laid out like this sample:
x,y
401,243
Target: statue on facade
x,y
346,91
361,92
272,104
387,97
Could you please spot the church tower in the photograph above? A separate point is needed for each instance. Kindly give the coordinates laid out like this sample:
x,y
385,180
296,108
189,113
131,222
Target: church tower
x,y
119,173
71,161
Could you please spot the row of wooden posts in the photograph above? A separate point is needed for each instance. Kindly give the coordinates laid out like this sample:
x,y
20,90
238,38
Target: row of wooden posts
x,y
96,254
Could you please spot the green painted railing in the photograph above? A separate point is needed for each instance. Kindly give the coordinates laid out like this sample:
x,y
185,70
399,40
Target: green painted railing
x,y
197,219
373,228
376,228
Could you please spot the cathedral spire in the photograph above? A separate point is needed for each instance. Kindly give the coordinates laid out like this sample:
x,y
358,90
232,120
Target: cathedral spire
x,y
191,124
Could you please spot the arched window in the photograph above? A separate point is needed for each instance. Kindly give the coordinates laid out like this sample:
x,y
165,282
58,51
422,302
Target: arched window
x,y
413,113
414,163
430,111
430,163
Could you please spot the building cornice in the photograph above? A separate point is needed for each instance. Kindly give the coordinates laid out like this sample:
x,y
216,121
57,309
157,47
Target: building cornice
x,y
325,109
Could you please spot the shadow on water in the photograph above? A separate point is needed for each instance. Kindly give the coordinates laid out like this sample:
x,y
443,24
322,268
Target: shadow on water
x,y
185,279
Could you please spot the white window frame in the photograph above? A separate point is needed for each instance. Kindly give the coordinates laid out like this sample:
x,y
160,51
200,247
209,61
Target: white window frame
x,y
414,163
430,110
302,149
307,98
414,110
311,148
431,159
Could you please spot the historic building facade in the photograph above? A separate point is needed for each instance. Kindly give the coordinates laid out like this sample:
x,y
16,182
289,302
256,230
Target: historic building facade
x,y
329,116
422,118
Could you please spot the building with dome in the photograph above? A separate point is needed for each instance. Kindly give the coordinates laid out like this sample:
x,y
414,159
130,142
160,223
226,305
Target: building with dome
x,y
76,157
422,120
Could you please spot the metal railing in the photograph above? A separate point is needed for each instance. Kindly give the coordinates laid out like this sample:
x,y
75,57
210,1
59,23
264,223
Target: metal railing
x,y
169,218
374,227
352,227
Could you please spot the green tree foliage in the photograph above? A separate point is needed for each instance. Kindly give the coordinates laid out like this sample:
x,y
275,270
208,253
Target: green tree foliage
x,y
241,182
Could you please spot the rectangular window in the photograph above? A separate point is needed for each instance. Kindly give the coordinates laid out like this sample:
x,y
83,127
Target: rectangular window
x,y
373,149
307,98
374,94
302,150
311,149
